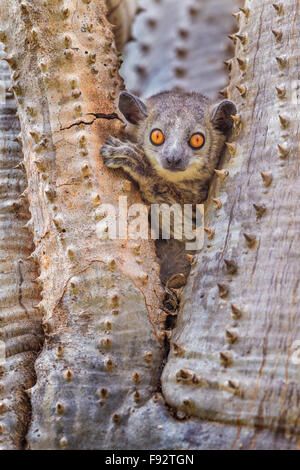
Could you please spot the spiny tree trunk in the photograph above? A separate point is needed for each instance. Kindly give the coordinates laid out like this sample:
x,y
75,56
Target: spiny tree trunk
x,y
180,45
121,14
239,326
20,323
102,354
101,360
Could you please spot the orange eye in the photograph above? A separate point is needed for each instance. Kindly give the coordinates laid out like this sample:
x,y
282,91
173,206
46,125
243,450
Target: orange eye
x,y
157,137
197,141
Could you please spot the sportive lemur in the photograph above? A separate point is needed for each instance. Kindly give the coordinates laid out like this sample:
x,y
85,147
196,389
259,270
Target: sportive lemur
x,y
172,147
173,144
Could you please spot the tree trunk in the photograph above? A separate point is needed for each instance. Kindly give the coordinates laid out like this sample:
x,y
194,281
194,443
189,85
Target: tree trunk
x,y
239,324
21,334
102,355
180,45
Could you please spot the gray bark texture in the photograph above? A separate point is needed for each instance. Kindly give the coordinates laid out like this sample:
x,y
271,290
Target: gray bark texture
x,y
102,379
239,323
21,332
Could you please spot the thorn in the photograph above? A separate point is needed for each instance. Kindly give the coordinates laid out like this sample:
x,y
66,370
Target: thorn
x,y
242,63
223,290
151,22
11,62
284,122
232,384
242,38
236,312
2,37
71,254
284,152
144,47
237,119
193,11
224,92
68,375
282,62
232,38
231,336
181,52
210,232
232,147
50,193
278,7
267,178
180,72
20,166
250,240
246,11
242,89
218,204
140,70
24,7
231,266
277,34
281,92
66,13
183,33
177,350
228,64
140,10
190,257
222,174
260,210
225,359
236,15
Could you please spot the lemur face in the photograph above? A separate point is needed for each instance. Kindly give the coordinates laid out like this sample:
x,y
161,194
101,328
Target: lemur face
x,y
179,132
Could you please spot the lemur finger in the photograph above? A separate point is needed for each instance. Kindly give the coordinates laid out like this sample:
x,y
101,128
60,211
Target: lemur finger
x,y
112,162
119,162
106,150
113,141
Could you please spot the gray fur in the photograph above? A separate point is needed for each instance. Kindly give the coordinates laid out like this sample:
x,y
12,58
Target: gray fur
x,y
178,115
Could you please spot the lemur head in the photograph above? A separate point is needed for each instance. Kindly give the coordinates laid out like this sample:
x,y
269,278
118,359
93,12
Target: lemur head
x,y
180,132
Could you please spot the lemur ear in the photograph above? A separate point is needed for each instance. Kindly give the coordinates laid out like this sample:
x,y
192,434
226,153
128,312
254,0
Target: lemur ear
x,y
221,116
132,107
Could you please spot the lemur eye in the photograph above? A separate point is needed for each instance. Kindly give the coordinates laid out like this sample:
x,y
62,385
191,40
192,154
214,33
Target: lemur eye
x,y
197,140
157,137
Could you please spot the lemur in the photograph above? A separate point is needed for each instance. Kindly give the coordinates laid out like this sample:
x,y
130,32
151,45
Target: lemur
x,y
172,147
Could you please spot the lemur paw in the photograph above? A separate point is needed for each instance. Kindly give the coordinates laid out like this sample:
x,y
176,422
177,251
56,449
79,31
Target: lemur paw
x,y
114,142
110,150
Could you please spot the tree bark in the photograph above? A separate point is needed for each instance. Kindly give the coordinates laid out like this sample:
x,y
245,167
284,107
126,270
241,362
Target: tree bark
x,y
100,303
239,324
234,355
21,333
180,45
121,14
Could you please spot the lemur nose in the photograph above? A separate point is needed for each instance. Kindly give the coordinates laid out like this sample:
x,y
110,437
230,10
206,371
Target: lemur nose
x,y
174,160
